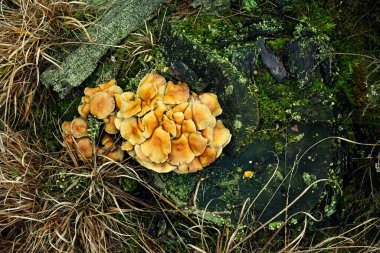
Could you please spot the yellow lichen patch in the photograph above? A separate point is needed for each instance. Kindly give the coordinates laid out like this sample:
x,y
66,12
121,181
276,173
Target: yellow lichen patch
x,y
248,174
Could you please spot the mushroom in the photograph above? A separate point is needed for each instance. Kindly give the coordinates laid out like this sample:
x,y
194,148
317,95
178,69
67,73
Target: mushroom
x,y
211,101
130,108
84,148
101,105
79,127
197,143
110,126
181,152
202,116
207,157
130,131
158,146
176,93
148,87
117,155
150,123
221,135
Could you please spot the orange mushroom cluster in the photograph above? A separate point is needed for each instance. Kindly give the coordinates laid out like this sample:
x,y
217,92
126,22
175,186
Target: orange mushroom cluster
x,y
167,128
99,102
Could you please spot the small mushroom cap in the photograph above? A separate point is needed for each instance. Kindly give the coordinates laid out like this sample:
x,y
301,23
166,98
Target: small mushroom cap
x,y
114,90
169,126
160,109
195,165
107,85
181,107
126,145
69,140
181,152
125,96
176,93
88,91
66,127
188,126
84,148
208,133
158,147
178,117
148,87
106,138
101,105
211,101
85,99
202,116
130,108
144,161
197,143
110,125
221,135
117,155
150,123
84,110
130,131
144,109
207,157
79,127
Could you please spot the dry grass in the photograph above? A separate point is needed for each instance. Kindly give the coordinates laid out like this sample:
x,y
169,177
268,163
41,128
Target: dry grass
x,y
55,204
29,28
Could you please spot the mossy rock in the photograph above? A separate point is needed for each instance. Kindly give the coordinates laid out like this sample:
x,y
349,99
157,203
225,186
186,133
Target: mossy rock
x,y
219,76
220,191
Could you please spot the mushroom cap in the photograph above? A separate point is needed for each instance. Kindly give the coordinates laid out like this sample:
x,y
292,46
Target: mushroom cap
x,y
197,143
125,96
208,133
178,117
114,90
110,125
207,157
221,135
211,101
150,123
130,131
144,161
117,155
130,108
176,93
90,91
188,126
160,109
84,110
79,127
107,85
148,87
181,152
101,105
180,107
106,138
66,127
202,116
84,148
158,146
169,126
126,145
